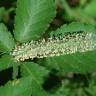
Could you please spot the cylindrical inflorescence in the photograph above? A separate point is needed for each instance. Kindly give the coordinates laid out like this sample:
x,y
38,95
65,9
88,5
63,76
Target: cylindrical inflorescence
x,y
62,45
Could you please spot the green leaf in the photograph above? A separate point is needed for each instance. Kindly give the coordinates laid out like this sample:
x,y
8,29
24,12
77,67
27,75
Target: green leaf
x,y
19,87
6,61
78,61
6,39
29,68
32,18
73,27
37,74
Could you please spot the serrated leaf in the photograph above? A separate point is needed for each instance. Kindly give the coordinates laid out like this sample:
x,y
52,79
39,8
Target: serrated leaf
x,y
32,18
73,27
37,74
78,61
6,39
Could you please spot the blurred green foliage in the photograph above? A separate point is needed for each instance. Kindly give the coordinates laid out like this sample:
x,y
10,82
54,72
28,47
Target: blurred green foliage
x,y
41,77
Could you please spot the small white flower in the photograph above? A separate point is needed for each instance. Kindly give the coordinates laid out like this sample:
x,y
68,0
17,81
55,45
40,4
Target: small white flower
x,y
69,44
